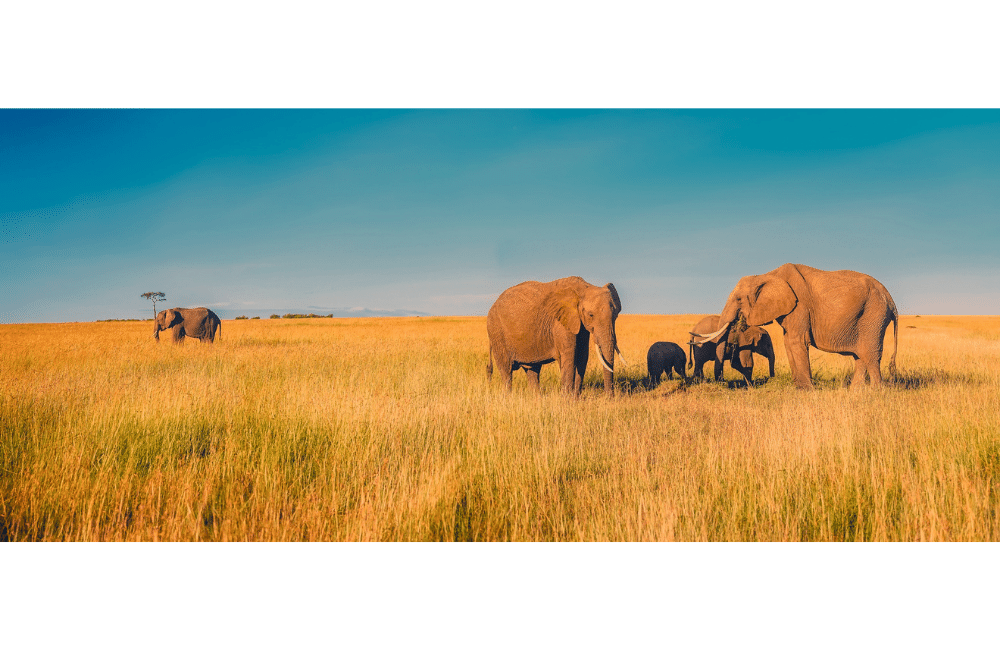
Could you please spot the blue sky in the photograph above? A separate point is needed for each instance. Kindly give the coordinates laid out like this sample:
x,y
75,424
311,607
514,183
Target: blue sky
x,y
437,211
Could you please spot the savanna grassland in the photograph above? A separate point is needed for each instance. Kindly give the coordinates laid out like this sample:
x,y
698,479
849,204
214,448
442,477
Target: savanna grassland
x,y
386,429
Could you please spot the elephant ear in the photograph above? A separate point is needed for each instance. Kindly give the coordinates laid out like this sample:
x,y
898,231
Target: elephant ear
x,y
753,336
614,297
774,299
173,317
565,305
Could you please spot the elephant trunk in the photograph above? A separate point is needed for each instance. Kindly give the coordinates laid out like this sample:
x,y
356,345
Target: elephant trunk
x,y
600,356
156,330
605,340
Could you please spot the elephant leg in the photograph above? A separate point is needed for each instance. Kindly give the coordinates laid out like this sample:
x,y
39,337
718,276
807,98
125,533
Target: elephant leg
x,y
680,370
798,358
875,372
177,334
870,353
869,366
580,358
652,368
505,366
720,359
609,382
567,373
748,368
860,374
532,371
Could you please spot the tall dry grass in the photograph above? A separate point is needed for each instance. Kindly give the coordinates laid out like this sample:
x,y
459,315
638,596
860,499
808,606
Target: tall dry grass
x,y
386,429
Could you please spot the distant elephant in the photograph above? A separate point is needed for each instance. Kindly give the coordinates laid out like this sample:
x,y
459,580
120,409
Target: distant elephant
x,y
200,323
665,357
740,346
842,312
535,323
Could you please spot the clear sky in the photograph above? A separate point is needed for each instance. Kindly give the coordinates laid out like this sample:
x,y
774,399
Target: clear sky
x,y
437,211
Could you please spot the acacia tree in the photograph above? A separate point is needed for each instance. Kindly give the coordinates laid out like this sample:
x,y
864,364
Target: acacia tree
x,y
155,296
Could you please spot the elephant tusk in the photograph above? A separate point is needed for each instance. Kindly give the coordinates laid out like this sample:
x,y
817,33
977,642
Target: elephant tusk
x,y
704,338
621,356
603,362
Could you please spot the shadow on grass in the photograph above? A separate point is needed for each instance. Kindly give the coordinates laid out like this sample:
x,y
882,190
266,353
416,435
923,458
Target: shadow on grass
x,y
684,385
919,379
902,380
635,385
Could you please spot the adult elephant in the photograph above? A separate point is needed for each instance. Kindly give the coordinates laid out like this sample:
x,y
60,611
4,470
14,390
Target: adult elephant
x,y
842,312
738,348
535,323
200,323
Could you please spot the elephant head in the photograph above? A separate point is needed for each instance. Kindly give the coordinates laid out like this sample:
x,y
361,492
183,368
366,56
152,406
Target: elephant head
x,y
756,301
595,308
164,320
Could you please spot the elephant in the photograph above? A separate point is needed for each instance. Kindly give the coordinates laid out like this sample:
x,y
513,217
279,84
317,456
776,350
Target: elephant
x,y
535,323
665,357
842,311
200,323
738,349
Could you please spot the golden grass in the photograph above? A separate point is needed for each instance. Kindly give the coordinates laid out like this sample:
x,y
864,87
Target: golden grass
x,y
386,429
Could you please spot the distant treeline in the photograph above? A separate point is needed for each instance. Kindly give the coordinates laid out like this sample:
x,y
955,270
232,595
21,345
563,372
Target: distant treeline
x,y
275,316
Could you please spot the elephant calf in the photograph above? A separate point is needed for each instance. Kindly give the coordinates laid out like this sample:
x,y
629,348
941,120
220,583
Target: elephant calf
x,y
665,357
200,323
738,348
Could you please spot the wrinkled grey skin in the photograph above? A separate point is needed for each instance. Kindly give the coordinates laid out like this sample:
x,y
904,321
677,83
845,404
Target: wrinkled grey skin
x,y
739,347
665,357
200,323
535,323
842,311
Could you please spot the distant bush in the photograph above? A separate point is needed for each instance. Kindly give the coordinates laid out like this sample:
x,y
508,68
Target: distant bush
x,y
240,317
256,317
305,315
275,316
126,320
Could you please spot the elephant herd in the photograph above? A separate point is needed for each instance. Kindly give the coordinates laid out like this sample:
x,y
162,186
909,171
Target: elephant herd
x,y
843,312
535,323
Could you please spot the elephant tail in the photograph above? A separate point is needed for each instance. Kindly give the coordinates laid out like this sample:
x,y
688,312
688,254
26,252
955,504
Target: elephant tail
x,y
895,341
489,366
220,329
690,353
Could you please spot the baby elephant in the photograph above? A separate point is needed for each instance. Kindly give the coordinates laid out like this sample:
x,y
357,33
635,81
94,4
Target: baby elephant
x,y
739,348
665,357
